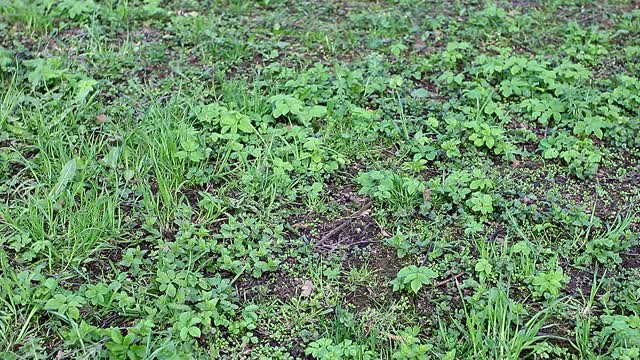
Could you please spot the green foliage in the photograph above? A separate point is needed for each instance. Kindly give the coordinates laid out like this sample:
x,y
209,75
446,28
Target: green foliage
x,y
178,179
480,203
621,336
65,305
484,268
187,326
400,243
495,327
412,347
470,189
605,247
582,156
287,105
412,278
484,135
325,349
403,194
548,284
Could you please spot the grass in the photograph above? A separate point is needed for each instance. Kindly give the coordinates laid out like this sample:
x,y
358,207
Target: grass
x,y
330,180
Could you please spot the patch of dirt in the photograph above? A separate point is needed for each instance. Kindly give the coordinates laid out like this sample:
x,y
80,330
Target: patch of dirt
x,y
591,13
73,33
360,231
580,281
610,193
278,284
384,263
431,87
193,197
379,258
631,258
113,319
101,264
355,227
153,74
298,353
528,4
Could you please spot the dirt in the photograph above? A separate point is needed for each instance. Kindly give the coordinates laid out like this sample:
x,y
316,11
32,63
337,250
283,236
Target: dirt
x,y
102,261
631,258
381,261
278,284
580,281
361,232
591,13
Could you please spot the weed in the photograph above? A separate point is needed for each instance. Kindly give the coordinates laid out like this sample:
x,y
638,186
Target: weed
x,y
181,179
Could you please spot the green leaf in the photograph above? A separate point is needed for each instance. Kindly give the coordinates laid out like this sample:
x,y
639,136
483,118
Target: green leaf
x,y
74,312
83,88
521,247
116,336
244,124
129,174
55,303
550,153
66,175
416,285
281,109
317,111
194,331
484,266
111,159
489,142
420,93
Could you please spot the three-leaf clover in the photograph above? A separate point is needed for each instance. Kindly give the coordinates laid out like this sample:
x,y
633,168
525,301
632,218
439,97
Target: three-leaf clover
x,y
232,121
413,277
549,283
481,203
187,326
483,267
66,305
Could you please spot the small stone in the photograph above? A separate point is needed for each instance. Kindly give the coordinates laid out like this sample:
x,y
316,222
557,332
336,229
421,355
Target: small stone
x,y
307,289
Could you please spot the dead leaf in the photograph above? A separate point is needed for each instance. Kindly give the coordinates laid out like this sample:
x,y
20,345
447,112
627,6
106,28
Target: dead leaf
x,y
419,45
307,289
426,194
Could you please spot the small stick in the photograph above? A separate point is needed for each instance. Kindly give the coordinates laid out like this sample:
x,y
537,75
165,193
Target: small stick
x,y
443,282
344,223
334,246
393,337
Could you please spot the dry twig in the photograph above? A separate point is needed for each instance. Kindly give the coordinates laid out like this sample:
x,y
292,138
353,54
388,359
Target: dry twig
x,y
343,224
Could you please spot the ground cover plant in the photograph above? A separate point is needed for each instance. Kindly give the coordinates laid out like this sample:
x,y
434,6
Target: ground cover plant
x,y
319,179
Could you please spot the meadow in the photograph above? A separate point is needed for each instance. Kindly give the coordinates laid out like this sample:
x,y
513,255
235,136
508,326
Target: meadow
x,y
336,179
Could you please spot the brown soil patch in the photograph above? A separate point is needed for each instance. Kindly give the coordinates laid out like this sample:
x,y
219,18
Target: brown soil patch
x,y
631,259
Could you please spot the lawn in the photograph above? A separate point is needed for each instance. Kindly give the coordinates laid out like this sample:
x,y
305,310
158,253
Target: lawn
x,y
337,179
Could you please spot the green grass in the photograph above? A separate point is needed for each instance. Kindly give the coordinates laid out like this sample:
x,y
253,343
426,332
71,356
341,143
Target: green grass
x,y
330,180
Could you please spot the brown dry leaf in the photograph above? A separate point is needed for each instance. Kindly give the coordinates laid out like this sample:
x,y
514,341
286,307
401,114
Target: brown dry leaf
x,y
426,194
307,289
419,45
